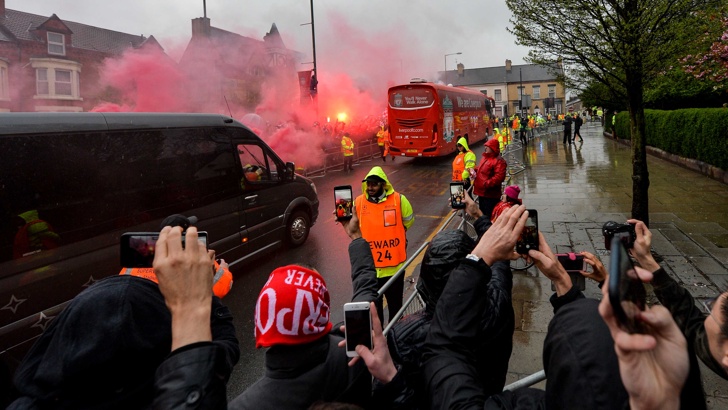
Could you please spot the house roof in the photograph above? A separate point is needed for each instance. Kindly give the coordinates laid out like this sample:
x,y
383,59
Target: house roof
x,y
18,25
233,49
499,75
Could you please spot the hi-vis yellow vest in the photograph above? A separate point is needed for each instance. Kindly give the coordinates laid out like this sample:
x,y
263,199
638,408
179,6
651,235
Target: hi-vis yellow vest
x,y
382,226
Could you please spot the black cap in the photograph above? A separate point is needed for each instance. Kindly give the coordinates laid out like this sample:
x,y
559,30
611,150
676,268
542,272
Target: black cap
x,y
373,178
178,220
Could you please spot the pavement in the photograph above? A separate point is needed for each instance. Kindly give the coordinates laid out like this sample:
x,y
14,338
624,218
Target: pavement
x,y
576,188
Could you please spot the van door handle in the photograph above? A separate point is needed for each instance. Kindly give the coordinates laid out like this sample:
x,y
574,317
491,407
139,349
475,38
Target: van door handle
x,y
251,197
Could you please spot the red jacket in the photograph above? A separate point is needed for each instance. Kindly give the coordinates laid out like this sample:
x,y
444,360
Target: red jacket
x,y
491,173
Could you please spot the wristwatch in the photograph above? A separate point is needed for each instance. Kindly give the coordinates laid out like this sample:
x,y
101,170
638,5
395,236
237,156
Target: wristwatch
x,y
473,257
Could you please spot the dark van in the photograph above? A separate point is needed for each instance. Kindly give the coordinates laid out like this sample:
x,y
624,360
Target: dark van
x,y
72,183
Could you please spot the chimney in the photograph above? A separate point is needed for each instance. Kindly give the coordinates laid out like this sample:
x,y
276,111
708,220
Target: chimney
x,y
2,8
508,66
200,27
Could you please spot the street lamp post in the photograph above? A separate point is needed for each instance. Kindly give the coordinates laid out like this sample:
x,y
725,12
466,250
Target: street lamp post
x,y
446,55
314,79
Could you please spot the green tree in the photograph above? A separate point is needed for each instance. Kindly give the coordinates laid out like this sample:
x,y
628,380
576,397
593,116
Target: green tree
x,y
622,44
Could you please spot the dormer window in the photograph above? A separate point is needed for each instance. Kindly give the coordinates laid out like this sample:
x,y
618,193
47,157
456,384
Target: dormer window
x,y
56,44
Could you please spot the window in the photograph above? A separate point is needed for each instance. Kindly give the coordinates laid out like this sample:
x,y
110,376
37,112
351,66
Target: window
x,y
63,82
41,84
257,167
139,176
520,91
56,44
552,90
536,92
497,95
4,91
57,79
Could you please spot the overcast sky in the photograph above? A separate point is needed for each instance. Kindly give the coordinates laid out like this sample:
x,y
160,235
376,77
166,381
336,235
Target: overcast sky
x,y
414,35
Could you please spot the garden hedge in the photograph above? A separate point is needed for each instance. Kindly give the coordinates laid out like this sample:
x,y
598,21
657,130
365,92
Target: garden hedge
x,y
697,133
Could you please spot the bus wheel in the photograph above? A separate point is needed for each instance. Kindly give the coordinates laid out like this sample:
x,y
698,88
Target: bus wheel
x,y
297,229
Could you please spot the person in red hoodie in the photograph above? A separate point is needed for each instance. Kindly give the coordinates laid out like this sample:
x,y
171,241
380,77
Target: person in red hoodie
x,y
489,177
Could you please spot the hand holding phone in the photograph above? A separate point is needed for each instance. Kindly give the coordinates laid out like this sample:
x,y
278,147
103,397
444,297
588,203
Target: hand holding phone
x,y
529,236
358,327
136,249
457,195
627,293
343,202
573,264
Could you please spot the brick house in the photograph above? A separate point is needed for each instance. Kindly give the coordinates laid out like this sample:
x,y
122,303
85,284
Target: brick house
x,y
223,65
504,83
48,64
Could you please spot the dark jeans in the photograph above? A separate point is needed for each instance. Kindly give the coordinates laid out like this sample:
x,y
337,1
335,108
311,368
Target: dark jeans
x,y
576,132
567,135
394,297
348,160
486,205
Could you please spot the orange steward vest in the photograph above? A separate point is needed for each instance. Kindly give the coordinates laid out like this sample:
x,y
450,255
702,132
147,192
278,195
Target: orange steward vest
x,y
382,226
458,166
222,282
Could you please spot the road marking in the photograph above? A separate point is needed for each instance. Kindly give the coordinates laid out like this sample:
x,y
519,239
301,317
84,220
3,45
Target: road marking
x,y
418,260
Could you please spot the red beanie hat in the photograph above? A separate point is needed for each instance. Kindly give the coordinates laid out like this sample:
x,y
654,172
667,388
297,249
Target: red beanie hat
x,y
292,308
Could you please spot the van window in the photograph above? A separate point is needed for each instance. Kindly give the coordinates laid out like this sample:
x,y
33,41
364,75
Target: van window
x,y
258,167
60,189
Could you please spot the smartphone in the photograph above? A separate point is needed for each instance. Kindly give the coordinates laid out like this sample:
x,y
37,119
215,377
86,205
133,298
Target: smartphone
x,y
626,291
343,202
529,237
358,326
572,262
457,195
137,248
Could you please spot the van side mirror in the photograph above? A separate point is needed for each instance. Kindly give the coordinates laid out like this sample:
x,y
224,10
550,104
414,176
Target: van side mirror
x,y
290,171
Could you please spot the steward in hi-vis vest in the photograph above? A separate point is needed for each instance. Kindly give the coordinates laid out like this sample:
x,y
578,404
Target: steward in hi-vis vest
x,y
384,217
464,164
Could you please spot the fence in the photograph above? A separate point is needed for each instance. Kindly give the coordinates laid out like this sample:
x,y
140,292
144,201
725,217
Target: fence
x,y
332,160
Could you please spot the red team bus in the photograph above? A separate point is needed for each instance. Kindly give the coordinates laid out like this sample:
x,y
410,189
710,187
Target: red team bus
x,y
425,119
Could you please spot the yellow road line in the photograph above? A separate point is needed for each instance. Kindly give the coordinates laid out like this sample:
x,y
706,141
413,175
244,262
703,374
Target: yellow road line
x,y
411,268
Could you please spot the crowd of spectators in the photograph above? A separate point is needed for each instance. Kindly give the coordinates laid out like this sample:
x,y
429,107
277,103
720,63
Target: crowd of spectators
x,y
128,342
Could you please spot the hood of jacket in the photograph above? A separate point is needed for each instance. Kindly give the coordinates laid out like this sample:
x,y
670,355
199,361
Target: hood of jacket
x,y
579,352
462,141
446,251
377,171
29,216
102,349
494,145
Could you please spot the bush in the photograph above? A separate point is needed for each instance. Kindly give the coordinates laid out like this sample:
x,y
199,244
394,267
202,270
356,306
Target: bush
x,y
697,133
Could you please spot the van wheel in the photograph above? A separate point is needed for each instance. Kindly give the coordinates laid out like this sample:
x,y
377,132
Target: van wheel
x,y
298,228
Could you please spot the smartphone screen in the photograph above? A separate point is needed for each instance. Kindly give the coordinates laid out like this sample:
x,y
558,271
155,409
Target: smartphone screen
x,y
626,291
572,265
457,195
529,237
344,202
137,248
358,325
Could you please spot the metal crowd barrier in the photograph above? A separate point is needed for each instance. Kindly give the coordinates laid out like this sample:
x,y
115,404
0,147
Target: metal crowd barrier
x,y
333,160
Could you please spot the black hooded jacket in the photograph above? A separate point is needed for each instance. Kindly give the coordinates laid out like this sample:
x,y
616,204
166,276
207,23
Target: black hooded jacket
x,y
103,350
407,337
